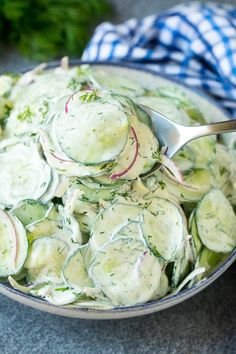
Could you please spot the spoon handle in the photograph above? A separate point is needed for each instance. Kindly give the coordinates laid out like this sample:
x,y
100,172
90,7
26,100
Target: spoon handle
x,y
210,129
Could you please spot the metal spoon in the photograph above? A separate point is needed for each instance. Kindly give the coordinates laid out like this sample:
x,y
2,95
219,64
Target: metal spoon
x,y
174,136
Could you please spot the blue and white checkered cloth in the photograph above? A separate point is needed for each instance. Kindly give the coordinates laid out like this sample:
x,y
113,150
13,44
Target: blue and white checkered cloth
x,y
193,42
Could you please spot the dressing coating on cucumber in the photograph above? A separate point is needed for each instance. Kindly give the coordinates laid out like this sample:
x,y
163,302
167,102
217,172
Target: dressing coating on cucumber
x,y
78,225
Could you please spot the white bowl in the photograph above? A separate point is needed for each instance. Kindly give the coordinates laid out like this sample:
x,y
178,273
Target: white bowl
x,y
213,113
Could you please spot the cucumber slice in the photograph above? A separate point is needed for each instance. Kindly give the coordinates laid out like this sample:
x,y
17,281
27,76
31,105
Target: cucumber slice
x,y
59,223
110,221
163,228
70,226
200,180
196,184
95,195
165,107
131,108
103,182
14,244
92,133
75,273
62,164
185,159
119,84
85,214
48,225
24,174
148,147
196,240
29,211
210,259
126,272
182,266
222,166
204,150
131,230
46,258
51,191
182,101
216,222
163,287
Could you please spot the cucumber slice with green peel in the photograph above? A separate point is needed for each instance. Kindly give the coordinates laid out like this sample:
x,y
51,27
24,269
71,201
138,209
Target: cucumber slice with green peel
x,y
216,222
204,150
29,211
196,184
141,152
51,191
62,164
131,108
196,240
93,195
182,266
47,256
48,225
142,116
185,159
75,273
182,101
104,182
70,225
210,259
86,214
13,244
222,166
163,228
119,85
110,221
59,223
92,133
24,174
131,230
165,107
201,180
162,288
126,272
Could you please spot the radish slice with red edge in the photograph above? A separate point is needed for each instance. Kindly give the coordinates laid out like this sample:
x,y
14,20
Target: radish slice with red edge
x,y
122,173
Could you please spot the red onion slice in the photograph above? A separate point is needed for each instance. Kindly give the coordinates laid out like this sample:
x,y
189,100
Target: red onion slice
x,y
171,166
114,176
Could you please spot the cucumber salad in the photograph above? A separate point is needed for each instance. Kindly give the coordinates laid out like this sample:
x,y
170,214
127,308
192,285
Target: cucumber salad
x,y
79,226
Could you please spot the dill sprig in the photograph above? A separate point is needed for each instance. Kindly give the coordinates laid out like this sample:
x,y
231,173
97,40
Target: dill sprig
x,y
89,96
46,29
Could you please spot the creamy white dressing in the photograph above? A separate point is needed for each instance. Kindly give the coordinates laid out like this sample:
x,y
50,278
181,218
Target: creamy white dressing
x,y
83,228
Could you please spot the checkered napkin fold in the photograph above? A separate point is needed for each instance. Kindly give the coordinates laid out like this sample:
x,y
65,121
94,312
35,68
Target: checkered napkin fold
x,y
194,42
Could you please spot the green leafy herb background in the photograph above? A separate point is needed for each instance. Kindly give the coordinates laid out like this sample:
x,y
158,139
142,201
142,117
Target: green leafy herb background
x,y
46,29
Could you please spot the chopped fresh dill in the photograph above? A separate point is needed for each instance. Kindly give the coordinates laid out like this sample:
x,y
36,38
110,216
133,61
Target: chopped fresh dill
x,y
90,96
157,155
26,115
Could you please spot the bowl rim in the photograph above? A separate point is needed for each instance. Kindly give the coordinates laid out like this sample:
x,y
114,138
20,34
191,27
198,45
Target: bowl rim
x,y
135,310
